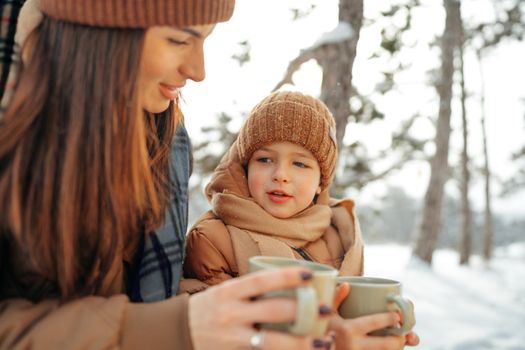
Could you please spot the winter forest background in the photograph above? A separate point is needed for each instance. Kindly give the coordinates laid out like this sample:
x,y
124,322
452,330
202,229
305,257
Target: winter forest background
x,y
429,103
430,107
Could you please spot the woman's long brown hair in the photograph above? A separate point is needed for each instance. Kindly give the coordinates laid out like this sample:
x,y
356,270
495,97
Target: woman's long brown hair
x,y
82,167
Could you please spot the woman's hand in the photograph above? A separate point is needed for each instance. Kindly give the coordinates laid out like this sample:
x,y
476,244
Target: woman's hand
x,y
353,333
223,316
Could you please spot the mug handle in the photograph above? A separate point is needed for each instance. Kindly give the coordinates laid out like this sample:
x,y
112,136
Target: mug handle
x,y
407,309
307,311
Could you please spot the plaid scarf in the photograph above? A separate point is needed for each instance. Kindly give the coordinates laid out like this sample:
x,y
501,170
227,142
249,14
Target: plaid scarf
x,y
160,256
162,252
8,50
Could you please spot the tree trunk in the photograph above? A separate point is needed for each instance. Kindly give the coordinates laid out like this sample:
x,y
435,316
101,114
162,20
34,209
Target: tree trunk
x,y
465,248
337,61
431,219
487,224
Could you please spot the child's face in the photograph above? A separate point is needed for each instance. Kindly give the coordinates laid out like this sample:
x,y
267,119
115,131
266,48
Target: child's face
x,y
283,178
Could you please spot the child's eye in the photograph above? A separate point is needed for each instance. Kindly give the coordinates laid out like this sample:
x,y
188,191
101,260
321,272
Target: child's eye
x,y
177,42
300,165
264,160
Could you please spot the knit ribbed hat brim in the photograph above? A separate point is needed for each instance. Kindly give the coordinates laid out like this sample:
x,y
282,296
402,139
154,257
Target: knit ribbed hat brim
x,y
139,13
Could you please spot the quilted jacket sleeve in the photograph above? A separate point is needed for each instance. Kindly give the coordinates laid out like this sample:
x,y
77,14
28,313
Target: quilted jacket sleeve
x,y
209,252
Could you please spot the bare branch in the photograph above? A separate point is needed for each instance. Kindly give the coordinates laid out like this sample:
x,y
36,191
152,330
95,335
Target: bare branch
x,y
294,65
362,182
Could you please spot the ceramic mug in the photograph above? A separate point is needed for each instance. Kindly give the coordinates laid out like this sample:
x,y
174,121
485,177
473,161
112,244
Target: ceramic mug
x,y
371,295
317,291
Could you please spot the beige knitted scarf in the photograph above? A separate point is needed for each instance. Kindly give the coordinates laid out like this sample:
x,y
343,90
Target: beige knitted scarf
x,y
255,232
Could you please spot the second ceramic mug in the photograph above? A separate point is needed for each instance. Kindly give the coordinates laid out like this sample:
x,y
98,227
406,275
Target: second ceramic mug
x,y
372,295
319,291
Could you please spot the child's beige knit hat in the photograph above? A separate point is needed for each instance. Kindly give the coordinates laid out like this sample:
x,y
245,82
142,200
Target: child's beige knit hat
x,y
139,13
293,117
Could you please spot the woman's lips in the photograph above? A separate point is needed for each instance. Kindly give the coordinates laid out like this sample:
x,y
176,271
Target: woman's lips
x,y
169,91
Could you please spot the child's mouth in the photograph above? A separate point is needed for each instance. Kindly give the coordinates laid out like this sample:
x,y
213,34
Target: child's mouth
x,y
277,193
278,196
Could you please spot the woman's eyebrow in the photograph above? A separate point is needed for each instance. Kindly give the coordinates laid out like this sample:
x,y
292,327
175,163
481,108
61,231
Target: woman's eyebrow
x,y
191,32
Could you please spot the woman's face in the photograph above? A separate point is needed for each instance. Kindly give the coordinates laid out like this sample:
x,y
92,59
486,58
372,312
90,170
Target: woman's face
x,y
170,57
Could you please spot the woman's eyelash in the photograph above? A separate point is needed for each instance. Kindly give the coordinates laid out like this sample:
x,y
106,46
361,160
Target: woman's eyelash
x,y
177,42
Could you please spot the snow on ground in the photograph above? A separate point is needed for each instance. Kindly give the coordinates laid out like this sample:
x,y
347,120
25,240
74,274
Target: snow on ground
x,y
477,307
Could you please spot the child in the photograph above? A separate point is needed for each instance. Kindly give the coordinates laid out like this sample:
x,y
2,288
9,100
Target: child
x,y
270,196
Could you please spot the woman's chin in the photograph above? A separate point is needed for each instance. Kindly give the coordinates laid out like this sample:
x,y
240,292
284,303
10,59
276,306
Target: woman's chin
x,y
157,107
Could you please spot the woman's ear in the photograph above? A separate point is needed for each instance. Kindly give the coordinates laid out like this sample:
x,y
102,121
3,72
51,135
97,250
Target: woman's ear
x,y
318,191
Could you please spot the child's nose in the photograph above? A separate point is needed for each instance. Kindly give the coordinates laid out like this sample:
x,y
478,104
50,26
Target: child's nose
x,y
280,174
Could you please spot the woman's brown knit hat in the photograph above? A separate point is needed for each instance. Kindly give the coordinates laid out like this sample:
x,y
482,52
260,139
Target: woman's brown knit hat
x,y
293,117
139,13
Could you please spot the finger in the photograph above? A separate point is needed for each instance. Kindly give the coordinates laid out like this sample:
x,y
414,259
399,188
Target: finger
x,y
367,324
274,310
384,343
349,341
341,293
260,282
336,323
412,339
379,321
280,340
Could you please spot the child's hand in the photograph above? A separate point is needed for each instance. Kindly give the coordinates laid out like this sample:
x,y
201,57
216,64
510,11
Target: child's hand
x,y
412,338
353,333
341,292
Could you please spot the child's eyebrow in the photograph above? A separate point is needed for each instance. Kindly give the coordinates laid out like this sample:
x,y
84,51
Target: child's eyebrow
x,y
264,149
303,155
293,154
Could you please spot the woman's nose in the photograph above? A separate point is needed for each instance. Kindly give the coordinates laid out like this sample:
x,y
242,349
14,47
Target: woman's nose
x,y
193,66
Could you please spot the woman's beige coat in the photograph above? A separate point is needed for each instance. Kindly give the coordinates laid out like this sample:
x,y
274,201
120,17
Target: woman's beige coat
x,y
92,322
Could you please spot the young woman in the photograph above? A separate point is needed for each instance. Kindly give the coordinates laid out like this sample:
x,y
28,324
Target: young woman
x,y
85,186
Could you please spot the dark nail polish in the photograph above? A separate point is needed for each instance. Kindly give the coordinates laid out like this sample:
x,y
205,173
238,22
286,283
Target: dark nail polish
x,y
318,343
325,310
305,276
